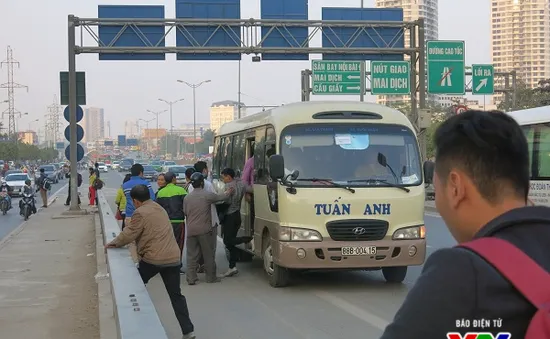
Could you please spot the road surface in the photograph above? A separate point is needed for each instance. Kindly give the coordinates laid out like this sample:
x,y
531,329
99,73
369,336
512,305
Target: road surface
x,y
12,219
347,305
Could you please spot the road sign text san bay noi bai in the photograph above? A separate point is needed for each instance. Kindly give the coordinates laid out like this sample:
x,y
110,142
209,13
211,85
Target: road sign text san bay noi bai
x,y
336,77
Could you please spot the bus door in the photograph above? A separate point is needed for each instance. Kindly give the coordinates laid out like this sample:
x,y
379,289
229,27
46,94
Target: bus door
x,y
249,198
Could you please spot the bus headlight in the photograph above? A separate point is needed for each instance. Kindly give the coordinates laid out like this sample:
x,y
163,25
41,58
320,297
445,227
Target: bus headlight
x,y
298,234
407,233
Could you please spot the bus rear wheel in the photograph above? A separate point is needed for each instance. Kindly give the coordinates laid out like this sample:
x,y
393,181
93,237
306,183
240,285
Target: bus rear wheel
x,y
278,276
394,275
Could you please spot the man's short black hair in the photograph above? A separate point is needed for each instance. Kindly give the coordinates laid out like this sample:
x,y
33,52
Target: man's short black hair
x,y
189,172
490,148
96,165
169,177
42,170
229,171
137,169
140,193
200,166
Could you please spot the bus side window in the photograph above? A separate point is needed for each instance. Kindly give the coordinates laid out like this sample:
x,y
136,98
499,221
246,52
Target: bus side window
x,y
543,150
227,152
259,155
238,158
217,158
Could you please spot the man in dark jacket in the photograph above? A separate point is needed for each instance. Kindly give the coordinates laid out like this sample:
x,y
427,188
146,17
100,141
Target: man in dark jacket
x,y
481,181
79,183
171,199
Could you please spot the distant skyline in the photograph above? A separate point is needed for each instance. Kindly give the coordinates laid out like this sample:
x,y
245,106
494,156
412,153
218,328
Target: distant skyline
x,y
37,34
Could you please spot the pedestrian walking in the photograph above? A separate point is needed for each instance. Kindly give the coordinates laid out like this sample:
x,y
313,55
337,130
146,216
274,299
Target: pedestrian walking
x,y
171,198
120,200
91,190
231,222
151,229
197,207
44,185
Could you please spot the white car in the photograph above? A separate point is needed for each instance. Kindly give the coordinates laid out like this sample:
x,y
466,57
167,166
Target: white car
x,y
102,167
115,165
16,181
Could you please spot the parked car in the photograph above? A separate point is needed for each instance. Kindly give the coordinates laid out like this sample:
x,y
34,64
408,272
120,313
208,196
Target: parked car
x,y
150,173
50,171
16,181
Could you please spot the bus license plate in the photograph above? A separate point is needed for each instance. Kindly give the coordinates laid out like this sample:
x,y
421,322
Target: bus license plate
x,y
358,250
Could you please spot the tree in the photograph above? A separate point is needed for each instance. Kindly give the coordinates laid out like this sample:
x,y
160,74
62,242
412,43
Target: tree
x,y
529,97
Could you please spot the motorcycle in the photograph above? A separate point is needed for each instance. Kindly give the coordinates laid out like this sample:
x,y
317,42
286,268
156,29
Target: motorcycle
x,y
4,203
26,205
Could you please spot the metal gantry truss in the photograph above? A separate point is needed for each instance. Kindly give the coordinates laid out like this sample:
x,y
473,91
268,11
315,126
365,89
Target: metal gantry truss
x,y
250,41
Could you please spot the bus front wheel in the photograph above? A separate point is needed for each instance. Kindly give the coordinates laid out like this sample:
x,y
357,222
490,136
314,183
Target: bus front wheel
x,y
394,274
278,276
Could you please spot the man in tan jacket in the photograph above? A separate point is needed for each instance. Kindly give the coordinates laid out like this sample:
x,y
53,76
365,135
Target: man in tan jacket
x,y
152,231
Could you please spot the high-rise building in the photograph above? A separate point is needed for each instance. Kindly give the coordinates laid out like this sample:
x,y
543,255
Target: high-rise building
x,y
520,40
413,10
93,124
224,111
131,128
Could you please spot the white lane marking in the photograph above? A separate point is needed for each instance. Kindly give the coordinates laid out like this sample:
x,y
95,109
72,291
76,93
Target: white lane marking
x,y
358,312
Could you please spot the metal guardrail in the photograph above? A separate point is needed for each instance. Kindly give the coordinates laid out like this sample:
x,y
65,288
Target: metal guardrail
x,y
134,312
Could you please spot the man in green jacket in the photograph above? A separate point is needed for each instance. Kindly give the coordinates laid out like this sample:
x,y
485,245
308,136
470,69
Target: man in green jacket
x,y
171,199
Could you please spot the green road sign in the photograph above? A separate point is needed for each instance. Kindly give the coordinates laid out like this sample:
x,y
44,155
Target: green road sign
x,y
483,79
80,88
390,77
446,65
336,77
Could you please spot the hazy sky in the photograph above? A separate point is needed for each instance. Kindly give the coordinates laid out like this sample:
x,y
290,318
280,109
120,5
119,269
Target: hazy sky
x,y
37,32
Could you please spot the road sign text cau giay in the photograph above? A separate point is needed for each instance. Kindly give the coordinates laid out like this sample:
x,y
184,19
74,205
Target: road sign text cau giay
x,y
336,77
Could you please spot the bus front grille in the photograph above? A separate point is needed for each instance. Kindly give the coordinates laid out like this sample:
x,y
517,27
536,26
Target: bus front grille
x,y
357,230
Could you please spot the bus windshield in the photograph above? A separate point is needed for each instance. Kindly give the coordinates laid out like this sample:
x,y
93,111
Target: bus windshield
x,y
350,154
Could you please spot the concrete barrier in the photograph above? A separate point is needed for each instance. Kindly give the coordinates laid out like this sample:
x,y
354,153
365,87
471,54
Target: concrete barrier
x,y
134,312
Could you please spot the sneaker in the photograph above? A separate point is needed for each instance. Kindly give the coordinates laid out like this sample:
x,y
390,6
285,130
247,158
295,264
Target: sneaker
x,y
192,283
189,336
231,272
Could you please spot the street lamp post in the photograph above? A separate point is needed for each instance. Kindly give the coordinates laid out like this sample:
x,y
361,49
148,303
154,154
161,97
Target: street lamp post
x,y
170,104
194,87
146,124
157,115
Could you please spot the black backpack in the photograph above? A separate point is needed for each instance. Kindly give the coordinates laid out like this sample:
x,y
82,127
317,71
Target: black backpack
x,y
79,178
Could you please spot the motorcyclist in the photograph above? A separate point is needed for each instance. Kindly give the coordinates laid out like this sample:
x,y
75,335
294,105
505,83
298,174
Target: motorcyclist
x,y
27,189
4,187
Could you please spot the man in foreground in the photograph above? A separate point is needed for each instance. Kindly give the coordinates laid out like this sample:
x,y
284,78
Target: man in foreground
x,y
150,227
481,182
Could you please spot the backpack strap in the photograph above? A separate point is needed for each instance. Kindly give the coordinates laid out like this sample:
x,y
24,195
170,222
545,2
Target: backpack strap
x,y
531,280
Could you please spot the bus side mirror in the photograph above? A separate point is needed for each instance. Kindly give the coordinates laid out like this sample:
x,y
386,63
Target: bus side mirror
x,y
382,160
429,168
276,167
